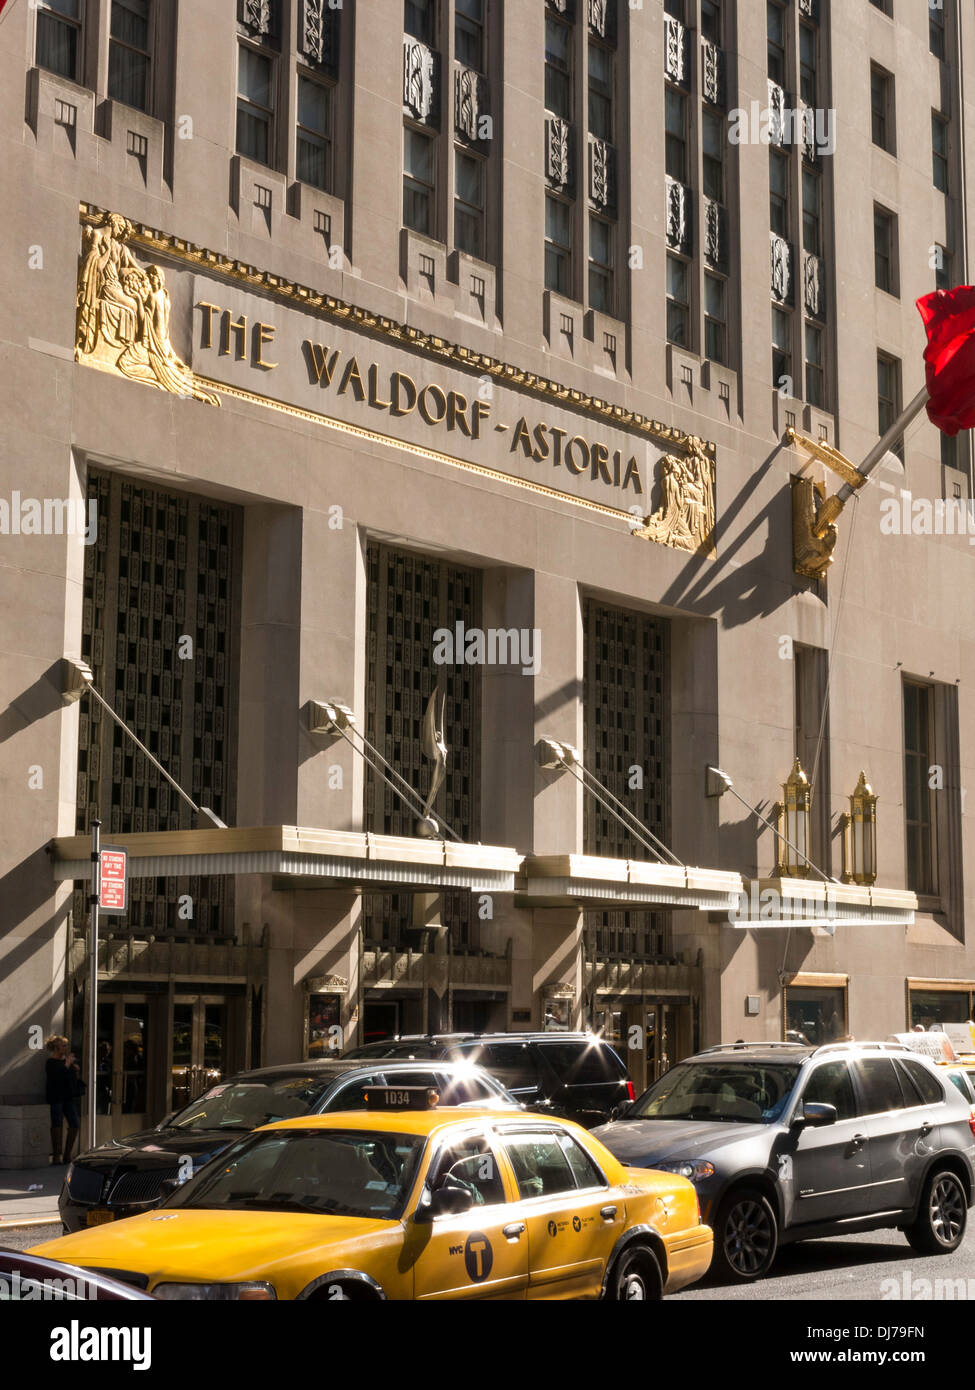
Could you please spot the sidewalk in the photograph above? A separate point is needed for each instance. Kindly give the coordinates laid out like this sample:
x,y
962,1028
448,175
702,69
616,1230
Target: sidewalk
x,y
29,1196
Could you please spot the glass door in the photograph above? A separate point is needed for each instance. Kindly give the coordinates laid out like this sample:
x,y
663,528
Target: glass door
x,y
121,1079
199,1055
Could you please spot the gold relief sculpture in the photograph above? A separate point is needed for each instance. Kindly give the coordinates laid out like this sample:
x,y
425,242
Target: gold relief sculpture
x,y
685,518
123,312
813,530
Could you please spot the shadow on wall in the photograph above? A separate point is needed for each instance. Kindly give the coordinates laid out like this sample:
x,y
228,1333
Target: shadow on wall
x,y
36,702
743,592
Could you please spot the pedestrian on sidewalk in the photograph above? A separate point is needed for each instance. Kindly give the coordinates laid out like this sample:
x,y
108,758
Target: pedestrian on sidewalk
x,y
64,1087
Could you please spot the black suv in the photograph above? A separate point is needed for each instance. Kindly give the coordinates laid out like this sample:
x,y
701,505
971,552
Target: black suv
x,y
576,1076
786,1142
126,1176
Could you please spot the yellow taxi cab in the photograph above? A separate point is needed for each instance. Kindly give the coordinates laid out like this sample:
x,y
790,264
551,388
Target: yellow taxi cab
x,y
409,1200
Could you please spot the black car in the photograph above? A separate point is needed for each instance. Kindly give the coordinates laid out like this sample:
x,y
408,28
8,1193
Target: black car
x,y
785,1142
33,1278
576,1076
127,1175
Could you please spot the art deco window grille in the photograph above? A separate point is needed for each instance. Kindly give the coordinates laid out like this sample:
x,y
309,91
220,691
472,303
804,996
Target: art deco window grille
x,y
166,567
409,598
626,698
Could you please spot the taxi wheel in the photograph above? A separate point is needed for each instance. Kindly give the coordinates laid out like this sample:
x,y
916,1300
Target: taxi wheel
x,y
942,1215
746,1237
636,1277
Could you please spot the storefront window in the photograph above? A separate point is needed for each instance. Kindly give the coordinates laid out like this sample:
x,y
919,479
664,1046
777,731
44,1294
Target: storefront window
x,y
815,1015
324,1014
932,1007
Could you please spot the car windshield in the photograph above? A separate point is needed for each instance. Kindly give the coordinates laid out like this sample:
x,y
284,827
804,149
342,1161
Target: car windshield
x,y
244,1105
750,1092
326,1172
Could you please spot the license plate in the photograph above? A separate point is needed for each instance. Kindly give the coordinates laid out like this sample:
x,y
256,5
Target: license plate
x,y
98,1218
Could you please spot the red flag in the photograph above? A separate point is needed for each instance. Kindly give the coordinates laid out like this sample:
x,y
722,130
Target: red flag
x,y
949,318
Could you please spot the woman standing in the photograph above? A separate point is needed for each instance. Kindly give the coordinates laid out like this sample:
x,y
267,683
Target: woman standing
x,y
64,1086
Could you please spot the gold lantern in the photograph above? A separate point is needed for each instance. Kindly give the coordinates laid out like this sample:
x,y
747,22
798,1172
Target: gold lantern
x,y
860,836
793,817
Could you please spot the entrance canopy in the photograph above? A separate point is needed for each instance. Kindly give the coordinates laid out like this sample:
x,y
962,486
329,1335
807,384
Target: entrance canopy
x,y
322,858
361,861
797,902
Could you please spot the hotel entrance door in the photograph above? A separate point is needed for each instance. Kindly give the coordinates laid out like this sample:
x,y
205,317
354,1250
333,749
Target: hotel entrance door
x,y
122,1078
199,1058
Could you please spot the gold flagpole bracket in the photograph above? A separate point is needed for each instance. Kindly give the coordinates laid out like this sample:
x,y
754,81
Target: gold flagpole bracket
x,y
814,515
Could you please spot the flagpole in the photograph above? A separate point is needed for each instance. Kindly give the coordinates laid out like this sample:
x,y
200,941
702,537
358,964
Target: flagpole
x,y
833,506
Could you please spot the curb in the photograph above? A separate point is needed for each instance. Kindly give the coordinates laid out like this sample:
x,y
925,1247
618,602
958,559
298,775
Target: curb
x,y
23,1223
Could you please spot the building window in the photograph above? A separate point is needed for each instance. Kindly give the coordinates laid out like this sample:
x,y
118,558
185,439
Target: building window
x,y
779,193
254,105
678,303
469,33
882,108
58,36
675,8
815,373
776,42
558,245
807,64
675,117
558,68
885,250
420,19
129,53
314,145
418,181
942,268
812,236
715,319
600,92
711,20
889,397
939,151
885,6
601,259
936,28
933,1007
918,810
714,135
469,204
782,351
949,451
814,1016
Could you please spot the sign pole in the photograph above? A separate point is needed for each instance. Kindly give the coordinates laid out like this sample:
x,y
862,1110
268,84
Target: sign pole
x,y
94,900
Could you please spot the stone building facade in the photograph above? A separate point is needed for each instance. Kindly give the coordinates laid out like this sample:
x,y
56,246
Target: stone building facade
x,y
439,356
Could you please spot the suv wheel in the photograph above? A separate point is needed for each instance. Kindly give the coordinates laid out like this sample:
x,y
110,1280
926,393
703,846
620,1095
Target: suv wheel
x,y
942,1215
636,1276
746,1236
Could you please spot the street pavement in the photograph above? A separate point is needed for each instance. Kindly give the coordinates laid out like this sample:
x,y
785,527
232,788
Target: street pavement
x,y
878,1266
29,1194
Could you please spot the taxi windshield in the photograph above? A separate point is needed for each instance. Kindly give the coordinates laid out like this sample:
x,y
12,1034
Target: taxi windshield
x,y
748,1092
326,1172
244,1105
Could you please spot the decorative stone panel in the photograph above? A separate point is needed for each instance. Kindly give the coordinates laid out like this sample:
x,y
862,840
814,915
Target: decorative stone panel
x,y
781,265
316,36
470,101
419,79
678,220
715,234
257,15
675,50
602,173
776,108
712,73
813,289
558,152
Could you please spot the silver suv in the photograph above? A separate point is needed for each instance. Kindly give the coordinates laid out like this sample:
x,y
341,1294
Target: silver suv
x,y
786,1142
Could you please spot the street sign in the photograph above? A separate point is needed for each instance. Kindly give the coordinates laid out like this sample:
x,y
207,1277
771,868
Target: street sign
x,y
112,880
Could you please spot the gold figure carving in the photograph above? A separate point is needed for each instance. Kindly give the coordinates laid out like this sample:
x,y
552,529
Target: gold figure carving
x,y
685,518
813,532
124,310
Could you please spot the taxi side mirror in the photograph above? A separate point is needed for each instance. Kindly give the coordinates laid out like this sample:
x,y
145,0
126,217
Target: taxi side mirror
x,y
446,1201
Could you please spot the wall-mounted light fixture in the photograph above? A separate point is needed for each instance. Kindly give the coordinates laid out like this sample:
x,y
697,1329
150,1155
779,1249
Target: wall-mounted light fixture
x,y
860,835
